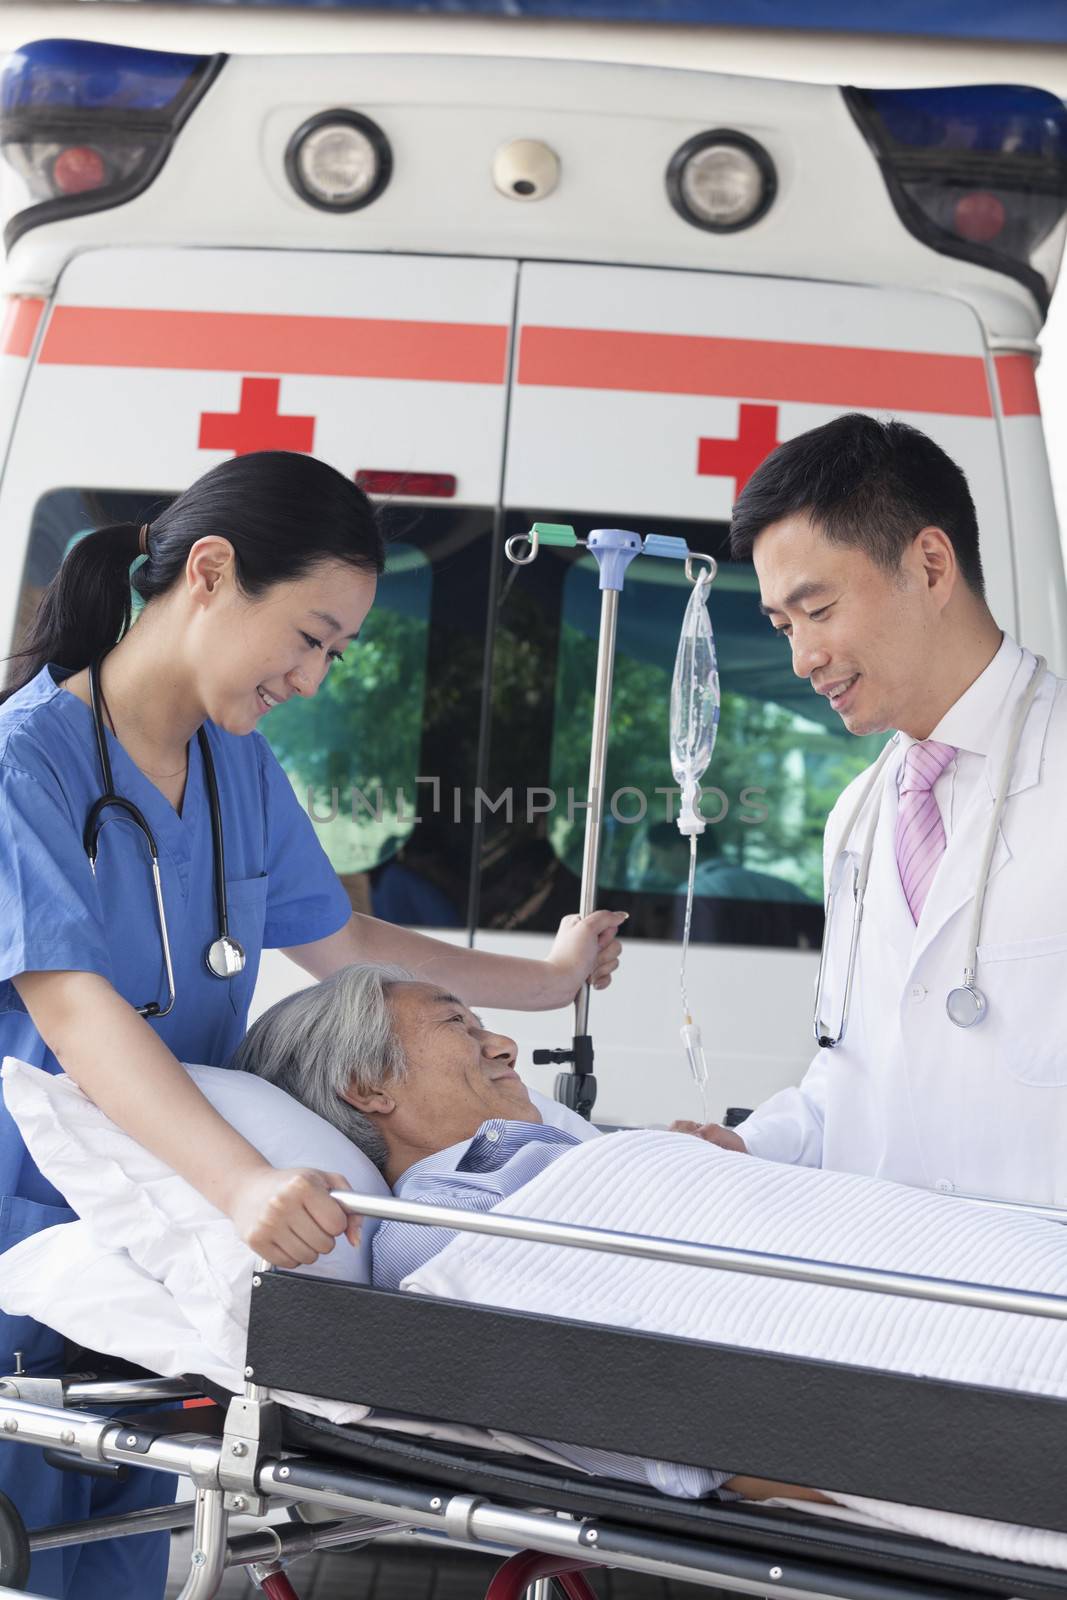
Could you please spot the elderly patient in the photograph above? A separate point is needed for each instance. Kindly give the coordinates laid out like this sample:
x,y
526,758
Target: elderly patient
x,y
416,1080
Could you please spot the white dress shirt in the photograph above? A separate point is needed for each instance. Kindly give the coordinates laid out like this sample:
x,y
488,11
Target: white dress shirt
x,y
971,726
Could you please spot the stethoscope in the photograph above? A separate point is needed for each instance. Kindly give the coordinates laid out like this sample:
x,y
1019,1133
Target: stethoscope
x,y
966,1004
224,957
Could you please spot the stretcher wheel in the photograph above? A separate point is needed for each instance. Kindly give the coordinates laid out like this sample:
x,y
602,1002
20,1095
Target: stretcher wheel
x,y
14,1547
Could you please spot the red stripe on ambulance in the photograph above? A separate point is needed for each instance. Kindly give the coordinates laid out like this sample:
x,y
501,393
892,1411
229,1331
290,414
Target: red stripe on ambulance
x,y
226,341
1017,385
760,369
22,318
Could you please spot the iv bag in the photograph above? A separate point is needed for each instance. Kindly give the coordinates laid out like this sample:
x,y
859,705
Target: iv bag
x,y
694,704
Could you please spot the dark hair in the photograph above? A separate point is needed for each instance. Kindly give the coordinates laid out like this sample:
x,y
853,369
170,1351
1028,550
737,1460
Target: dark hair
x,y
281,512
864,483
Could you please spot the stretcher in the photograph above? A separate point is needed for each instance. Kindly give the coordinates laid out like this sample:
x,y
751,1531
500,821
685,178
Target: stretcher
x,y
954,1447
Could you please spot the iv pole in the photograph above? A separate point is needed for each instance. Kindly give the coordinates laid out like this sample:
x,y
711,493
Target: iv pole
x,y
614,549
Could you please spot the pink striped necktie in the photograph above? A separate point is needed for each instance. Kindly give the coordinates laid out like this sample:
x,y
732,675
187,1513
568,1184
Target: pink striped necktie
x,y
920,831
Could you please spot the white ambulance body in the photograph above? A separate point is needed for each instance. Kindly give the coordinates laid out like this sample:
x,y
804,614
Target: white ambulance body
x,y
591,352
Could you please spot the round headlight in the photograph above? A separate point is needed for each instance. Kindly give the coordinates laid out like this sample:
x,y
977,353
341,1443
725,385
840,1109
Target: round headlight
x,y
339,161
721,181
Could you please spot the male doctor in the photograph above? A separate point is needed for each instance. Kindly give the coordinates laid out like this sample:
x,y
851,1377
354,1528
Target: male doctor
x,y
865,542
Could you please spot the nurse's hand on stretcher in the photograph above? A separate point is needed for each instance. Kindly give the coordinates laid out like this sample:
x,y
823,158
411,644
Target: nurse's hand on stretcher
x,y
115,1057
286,1214
726,1138
588,949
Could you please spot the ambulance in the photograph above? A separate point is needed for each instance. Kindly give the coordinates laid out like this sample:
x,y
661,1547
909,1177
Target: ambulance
x,y
502,290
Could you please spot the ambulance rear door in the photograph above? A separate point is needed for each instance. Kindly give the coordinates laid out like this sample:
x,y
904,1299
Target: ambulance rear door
x,y
154,365
645,399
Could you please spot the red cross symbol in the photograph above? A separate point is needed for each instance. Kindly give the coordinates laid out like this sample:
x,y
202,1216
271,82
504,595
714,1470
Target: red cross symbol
x,y
757,436
257,425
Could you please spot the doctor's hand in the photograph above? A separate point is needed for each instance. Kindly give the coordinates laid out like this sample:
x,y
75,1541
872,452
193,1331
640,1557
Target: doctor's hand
x,y
725,1138
586,948
286,1214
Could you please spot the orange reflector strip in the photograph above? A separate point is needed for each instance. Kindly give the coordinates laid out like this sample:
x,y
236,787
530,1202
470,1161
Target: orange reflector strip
x,y
754,369
228,341
21,320
1018,386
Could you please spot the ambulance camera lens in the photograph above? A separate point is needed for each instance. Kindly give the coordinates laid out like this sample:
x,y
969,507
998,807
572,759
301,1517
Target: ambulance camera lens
x,y
338,161
722,181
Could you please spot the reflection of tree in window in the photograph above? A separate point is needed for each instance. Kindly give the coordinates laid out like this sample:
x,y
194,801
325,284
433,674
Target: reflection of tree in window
x,y
775,771
360,734
524,882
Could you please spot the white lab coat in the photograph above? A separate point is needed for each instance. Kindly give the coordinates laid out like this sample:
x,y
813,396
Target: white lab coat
x,y
907,1095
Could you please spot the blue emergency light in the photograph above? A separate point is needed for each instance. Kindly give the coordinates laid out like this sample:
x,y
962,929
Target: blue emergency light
x,y
86,125
77,74
978,171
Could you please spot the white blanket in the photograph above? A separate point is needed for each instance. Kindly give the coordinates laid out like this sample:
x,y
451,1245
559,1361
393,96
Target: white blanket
x,y
676,1187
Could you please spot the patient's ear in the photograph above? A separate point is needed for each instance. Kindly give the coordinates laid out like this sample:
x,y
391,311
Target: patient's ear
x,y
375,1102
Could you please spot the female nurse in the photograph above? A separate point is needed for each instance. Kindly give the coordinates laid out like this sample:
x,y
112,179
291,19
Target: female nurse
x,y
254,580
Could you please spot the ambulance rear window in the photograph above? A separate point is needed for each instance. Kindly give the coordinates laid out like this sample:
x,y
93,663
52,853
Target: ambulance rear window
x,y
781,757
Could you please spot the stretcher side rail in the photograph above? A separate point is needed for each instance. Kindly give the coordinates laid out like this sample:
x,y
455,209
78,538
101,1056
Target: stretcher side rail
x,y
722,1258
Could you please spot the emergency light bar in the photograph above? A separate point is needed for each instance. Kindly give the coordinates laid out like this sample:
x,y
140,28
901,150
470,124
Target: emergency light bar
x,y
84,126
978,172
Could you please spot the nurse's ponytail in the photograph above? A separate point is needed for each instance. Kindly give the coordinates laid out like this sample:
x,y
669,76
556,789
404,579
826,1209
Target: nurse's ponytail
x,y
86,608
281,512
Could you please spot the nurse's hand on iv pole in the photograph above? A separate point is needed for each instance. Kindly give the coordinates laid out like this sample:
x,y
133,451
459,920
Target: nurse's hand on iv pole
x,y
725,1138
586,949
286,1214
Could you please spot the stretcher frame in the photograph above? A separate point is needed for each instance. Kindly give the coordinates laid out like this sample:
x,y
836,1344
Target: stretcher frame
x,y
951,1446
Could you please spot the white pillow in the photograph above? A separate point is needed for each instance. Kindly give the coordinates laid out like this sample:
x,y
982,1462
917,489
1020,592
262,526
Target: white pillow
x,y
100,1299
132,1200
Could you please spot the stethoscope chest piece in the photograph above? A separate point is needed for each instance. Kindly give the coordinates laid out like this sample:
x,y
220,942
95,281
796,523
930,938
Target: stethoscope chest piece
x,y
224,957
965,1005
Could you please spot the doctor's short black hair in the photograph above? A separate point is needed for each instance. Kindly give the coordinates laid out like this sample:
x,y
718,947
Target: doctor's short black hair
x,y
867,484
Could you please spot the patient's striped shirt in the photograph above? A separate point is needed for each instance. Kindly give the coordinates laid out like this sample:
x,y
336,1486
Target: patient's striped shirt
x,y
476,1176
473,1176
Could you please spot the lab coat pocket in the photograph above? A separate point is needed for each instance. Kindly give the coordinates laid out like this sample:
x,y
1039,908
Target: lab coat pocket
x,y
246,902
1024,984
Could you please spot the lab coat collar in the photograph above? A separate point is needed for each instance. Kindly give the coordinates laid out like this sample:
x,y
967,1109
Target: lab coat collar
x,y
1026,769
980,720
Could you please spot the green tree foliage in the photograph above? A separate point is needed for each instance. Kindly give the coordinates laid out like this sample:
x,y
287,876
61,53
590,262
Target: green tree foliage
x,y
800,766
362,730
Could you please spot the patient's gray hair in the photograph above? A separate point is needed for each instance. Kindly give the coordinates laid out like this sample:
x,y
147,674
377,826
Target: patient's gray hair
x,y
337,1034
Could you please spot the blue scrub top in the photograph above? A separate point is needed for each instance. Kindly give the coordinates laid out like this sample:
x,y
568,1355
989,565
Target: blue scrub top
x,y
280,889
